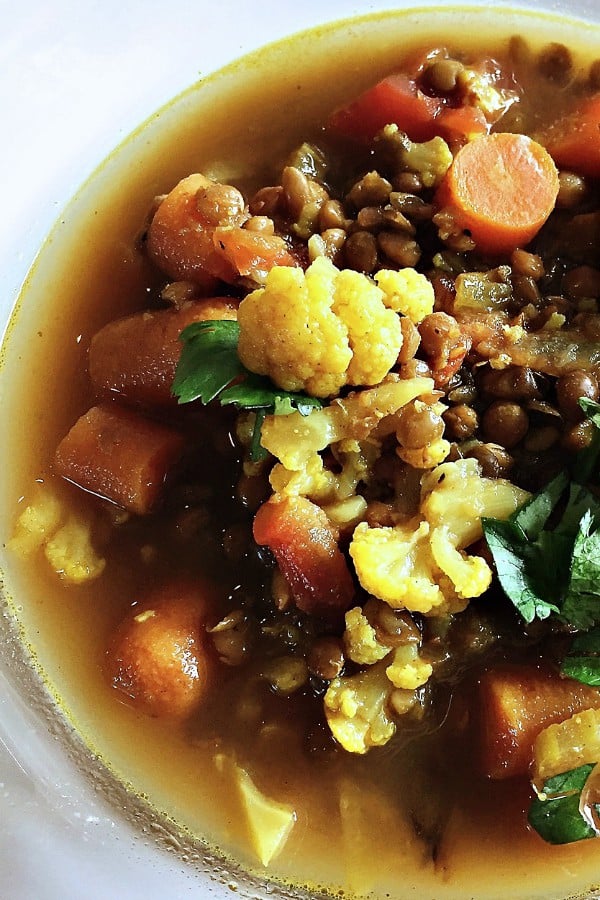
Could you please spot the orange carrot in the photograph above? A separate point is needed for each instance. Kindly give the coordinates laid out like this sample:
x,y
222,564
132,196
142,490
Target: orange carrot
x,y
515,704
501,188
136,356
304,544
574,141
119,455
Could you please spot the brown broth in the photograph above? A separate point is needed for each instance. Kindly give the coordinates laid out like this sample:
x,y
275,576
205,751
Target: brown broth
x,y
402,821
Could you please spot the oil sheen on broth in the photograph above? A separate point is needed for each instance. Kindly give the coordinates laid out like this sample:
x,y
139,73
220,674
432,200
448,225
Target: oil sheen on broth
x,y
408,818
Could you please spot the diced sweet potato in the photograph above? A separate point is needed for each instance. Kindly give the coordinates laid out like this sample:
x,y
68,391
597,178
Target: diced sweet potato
x,y
515,704
304,544
136,357
118,454
160,656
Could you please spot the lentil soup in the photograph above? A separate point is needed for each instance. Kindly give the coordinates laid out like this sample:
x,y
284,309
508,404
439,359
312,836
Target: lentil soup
x,y
221,596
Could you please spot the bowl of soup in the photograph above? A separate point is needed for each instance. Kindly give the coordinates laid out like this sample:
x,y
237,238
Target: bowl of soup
x,y
301,410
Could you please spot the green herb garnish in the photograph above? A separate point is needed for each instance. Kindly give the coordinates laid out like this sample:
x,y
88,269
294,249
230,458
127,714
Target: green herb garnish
x,y
209,368
583,659
554,571
555,813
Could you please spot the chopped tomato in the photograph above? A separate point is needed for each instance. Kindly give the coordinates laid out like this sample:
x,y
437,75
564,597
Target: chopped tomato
x,y
395,100
250,252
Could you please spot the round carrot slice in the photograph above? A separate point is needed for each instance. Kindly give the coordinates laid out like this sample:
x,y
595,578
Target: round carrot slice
x,y
501,188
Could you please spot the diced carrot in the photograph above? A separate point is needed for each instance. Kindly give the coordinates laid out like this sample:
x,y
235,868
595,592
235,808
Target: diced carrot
x,y
119,455
501,188
136,357
250,252
395,100
515,703
160,657
574,141
304,544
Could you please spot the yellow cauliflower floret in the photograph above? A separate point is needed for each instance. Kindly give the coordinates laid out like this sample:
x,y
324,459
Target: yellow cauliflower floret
x,y
318,330
356,708
294,438
407,670
406,291
425,457
421,564
456,496
64,537
360,639
396,565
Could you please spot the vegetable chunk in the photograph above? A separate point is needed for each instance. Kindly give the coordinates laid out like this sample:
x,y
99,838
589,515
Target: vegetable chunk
x,y
159,658
119,455
515,704
136,357
500,188
304,544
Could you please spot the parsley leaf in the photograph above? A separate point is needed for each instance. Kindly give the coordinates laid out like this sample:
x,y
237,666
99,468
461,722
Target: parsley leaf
x,y
583,659
555,812
210,368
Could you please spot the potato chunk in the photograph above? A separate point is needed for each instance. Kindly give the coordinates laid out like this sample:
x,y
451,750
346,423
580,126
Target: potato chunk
x,y
160,656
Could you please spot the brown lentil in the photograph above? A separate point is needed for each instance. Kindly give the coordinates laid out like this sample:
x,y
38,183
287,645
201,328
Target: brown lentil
x,y
526,290
505,423
371,190
408,182
220,204
260,224
410,205
528,264
495,462
442,75
400,249
418,426
512,383
332,215
578,437
571,387
572,189
461,422
538,440
582,281
360,251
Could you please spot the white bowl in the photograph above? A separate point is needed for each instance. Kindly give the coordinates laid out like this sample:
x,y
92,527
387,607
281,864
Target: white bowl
x,y
77,78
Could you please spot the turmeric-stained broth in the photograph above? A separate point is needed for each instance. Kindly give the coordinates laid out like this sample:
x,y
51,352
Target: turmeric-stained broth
x,y
402,821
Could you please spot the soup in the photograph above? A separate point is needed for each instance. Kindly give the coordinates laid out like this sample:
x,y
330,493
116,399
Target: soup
x,y
281,737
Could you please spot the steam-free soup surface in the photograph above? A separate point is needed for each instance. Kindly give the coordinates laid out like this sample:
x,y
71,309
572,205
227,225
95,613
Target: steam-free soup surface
x,y
415,817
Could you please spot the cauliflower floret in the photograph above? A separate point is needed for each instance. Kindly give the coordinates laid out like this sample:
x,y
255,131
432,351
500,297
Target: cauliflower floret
x,y
455,495
407,670
318,330
360,639
396,565
406,291
421,564
64,537
431,159
294,438
357,711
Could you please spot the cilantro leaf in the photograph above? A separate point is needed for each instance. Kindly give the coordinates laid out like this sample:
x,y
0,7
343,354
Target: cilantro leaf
x,y
210,368
583,659
208,362
581,606
533,515
521,568
555,814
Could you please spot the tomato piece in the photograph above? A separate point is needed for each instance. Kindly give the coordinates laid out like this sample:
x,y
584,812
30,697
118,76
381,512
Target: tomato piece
x,y
394,100
304,543
462,123
251,252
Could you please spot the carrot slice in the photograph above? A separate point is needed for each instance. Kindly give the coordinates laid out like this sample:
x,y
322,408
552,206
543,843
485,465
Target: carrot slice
x,y
119,455
515,704
574,142
394,100
501,188
304,544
